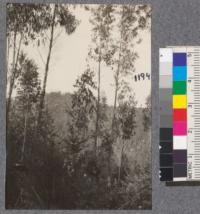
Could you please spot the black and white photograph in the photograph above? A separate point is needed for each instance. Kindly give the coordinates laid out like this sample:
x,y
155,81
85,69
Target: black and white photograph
x,y
78,107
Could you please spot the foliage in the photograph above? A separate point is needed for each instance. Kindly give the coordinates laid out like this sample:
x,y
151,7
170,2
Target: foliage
x,y
32,20
29,84
102,21
126,113
82,109
52,163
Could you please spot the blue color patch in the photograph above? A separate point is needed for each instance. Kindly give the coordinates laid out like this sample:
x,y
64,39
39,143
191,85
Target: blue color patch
x,y
179,59
179,73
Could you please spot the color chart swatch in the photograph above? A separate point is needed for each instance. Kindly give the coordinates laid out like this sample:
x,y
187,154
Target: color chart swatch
x,y
179,94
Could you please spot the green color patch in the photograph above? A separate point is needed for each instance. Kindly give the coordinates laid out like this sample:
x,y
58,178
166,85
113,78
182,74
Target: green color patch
x,y
179,87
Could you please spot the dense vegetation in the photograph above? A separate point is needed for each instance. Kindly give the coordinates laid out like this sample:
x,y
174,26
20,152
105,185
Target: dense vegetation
x,y
74,151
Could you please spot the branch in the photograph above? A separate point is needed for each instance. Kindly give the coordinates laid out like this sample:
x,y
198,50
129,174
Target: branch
x,y
57,36
47,35
42,59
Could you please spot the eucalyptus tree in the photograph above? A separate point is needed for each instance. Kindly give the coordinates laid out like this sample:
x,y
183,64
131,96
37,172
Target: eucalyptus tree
x,y
20,134
27,151
24,23
28,92
81,114
35,22
126,120
132,20
102,20
60,15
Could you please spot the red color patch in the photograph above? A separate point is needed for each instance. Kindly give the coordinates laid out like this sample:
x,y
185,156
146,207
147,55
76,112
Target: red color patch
x,y
180,115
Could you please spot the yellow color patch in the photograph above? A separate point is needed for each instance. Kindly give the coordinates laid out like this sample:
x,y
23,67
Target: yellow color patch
x,y
179,101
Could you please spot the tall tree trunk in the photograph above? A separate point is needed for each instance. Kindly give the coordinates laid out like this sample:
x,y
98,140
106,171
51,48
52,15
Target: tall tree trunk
x,y
98,104
41,105
116,89
115,99
11,78
121,161
13,75
7,59
113,123
114,110
25,132
8,51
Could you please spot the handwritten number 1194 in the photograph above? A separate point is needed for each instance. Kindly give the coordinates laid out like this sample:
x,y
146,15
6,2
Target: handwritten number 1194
x,y
142,76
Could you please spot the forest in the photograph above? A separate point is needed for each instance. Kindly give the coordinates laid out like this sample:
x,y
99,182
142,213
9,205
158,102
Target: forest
x,y
74,150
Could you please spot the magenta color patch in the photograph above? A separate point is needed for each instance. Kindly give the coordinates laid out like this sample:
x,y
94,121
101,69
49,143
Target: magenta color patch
x,y
180,128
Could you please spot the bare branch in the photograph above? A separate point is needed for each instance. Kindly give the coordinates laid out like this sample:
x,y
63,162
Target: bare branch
x,y
57,36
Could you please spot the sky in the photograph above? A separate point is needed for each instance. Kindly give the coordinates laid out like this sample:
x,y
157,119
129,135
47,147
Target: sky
x,y
69,55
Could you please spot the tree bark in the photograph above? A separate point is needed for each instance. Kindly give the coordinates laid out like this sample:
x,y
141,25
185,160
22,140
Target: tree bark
x,y
41,105
25,132
117,79
121,161
8,57
114,107
115,99
98,105
11,78
8,50
116,88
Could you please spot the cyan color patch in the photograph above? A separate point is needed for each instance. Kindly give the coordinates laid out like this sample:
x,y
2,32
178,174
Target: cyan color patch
x,y
179,73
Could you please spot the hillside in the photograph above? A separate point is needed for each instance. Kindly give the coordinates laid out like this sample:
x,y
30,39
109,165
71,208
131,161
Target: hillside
x,y
57,104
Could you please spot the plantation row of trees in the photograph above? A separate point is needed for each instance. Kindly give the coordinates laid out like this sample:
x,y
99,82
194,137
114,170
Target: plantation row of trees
x,y
83,160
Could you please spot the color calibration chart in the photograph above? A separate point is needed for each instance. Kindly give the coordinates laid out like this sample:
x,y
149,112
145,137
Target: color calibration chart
x,y
179,95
